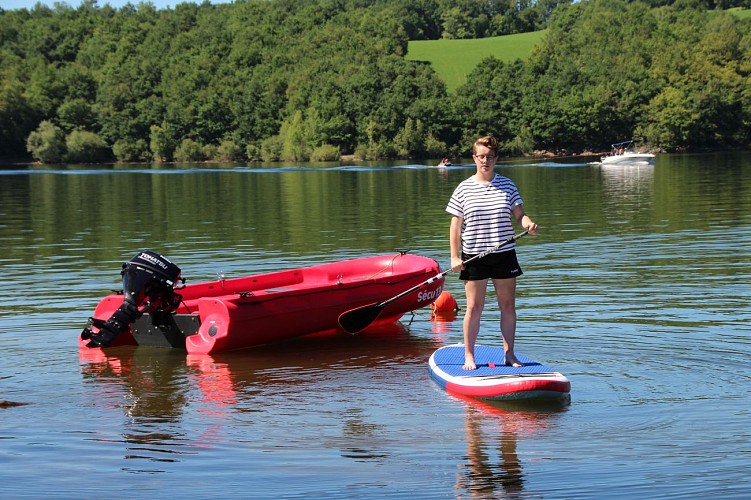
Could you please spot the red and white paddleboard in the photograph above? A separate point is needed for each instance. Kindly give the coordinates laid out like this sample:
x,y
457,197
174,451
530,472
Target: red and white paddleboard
x,y
493,380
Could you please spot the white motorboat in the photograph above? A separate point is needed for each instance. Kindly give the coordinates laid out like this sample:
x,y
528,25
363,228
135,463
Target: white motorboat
x,y
624,153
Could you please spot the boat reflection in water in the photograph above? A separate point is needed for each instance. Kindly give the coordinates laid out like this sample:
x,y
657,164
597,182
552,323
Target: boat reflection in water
x,y
625,189
176,404
444,325
625,179
493,468
153,389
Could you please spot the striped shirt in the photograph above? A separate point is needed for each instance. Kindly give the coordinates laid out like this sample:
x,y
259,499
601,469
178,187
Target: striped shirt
x,y
486,211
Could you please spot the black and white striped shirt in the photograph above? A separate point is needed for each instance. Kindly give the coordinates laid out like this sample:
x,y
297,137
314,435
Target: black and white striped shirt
x,y
486,211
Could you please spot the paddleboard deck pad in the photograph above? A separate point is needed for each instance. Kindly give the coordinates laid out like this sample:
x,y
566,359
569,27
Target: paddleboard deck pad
x,y
493,380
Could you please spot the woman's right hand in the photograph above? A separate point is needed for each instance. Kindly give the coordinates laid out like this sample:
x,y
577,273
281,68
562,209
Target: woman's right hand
x,y
457,264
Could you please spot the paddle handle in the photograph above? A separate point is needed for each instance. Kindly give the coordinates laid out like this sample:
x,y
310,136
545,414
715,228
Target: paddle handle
x,y
444,273
491,250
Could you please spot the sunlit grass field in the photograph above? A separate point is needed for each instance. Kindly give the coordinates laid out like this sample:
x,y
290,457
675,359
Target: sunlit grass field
x,y
741,12
453,60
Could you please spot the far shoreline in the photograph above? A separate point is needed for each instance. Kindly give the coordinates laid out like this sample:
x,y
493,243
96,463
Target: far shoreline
x,y
352,159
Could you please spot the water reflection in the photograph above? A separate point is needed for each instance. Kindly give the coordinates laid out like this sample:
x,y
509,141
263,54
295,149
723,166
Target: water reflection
x,y
445,326
642,298
628,180
361,438
198,400
149,382
493,468
147,385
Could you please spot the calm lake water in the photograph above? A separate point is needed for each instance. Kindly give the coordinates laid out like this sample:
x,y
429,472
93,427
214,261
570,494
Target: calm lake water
x,y
637,289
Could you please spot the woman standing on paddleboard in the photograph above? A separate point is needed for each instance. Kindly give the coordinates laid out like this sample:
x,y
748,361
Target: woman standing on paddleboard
x,y
482,207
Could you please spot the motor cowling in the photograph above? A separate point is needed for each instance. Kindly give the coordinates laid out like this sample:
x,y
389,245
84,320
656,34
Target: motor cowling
x,y
149,281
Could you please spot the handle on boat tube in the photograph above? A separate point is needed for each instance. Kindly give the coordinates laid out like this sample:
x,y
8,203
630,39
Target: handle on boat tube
x,y
358,319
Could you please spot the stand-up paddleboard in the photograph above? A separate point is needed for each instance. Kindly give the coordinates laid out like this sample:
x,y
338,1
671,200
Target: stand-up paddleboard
x,y
492,379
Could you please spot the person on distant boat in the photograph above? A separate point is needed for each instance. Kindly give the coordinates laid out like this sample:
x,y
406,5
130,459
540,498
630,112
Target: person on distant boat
x,y
481,208
445,163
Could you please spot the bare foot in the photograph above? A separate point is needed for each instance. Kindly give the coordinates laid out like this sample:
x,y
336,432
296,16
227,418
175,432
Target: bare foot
x,y
469,362
511,360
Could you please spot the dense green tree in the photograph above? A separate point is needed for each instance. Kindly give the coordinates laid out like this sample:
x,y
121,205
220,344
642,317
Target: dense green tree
x,y
127,151
490,101
47,143
410,140
293,136
295,79
160,142
189,150
17,117
590,78
702,82
271,148
76,114
83,146
229,150
325,152
611,69
479,18
129,98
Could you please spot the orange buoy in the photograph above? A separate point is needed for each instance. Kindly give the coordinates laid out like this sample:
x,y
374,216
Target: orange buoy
x,y
444,303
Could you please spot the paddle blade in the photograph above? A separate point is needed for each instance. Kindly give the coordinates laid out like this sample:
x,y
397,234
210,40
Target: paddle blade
x,y
358,319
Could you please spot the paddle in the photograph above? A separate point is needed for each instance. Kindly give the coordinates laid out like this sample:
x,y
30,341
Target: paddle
x,y
358,319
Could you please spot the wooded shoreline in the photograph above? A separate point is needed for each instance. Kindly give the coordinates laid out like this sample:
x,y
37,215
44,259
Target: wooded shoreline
x,y
264,81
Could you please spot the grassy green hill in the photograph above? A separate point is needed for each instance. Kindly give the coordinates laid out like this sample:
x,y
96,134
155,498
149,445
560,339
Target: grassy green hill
x,y
454,59
740,12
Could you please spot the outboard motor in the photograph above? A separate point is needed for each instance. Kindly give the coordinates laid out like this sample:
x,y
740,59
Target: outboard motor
x,y
148,286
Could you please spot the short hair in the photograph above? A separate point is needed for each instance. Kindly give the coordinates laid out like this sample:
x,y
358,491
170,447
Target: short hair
x,y
488,141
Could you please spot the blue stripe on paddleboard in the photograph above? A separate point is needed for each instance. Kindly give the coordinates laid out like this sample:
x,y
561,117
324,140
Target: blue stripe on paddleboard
x,y
437,379
450,359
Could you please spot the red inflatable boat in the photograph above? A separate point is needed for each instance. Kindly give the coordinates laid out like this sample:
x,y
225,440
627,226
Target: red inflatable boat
x,y
243,312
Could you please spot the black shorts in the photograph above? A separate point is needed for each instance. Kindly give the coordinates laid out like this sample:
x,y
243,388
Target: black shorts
x,y
501,265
